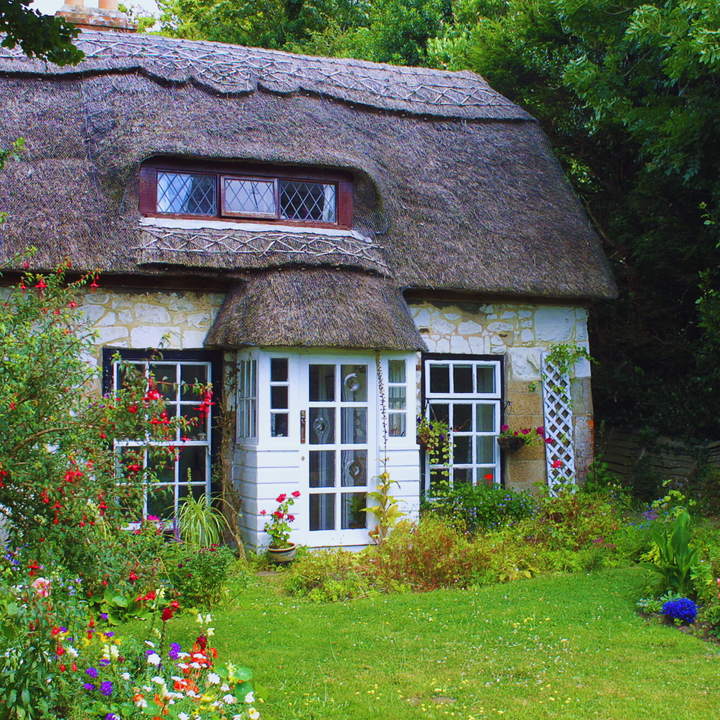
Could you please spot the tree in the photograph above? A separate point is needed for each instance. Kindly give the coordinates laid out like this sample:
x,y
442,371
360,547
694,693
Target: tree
x,y
41,36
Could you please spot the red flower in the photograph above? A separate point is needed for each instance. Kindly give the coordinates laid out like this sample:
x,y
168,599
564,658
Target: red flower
x,y
540,431
290,518
41,285
488,476
281,498
167,614
262,512
278,514
132,577
133,409
73,304
296,494
557,464
201,642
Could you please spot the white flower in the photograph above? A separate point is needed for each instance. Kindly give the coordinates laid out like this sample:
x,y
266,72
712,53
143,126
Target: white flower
x,y
210,631
114,652
175,677
147,688
150,644
196,666
199,618
250,697
141,702
225,688
253,714
71,651
154,659
183,716
229,699
208,619
157,679
213,678
125,676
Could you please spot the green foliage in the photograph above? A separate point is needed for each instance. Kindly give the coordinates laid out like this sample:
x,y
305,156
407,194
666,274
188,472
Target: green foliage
x,y
200,575
478,507
434,436
387,511
42,36
676,560
200,523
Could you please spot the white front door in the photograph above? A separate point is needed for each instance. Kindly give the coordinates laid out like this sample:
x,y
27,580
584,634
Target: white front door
x,y
338,447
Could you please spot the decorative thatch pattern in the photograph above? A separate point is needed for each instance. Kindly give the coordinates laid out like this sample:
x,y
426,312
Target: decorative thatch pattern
x,y
315,307
239,70
237,248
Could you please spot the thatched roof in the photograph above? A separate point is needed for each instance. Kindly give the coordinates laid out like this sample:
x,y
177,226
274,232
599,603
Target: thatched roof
x,y
315,307
455,187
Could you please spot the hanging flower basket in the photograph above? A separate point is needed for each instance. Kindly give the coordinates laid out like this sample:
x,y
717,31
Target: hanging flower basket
x,y
511,443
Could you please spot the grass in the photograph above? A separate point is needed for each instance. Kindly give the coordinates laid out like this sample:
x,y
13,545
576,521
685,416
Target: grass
x,y
554,647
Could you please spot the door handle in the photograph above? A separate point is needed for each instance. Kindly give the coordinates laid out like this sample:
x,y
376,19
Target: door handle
x,y
302,427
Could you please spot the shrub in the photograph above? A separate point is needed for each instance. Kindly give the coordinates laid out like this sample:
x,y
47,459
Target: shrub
x,y
478,507
329,576
199,574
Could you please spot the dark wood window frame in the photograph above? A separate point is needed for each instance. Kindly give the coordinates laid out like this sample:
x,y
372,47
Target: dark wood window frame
x,y
245,171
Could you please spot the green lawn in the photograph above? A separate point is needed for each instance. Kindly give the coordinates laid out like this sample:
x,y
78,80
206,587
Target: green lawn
x,y
567,646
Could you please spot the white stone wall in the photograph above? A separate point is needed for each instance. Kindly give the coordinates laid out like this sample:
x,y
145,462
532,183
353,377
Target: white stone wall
x,y
138,319
520,331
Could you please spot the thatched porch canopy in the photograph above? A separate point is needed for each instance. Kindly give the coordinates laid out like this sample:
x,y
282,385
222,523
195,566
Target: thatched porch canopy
x,y
316,307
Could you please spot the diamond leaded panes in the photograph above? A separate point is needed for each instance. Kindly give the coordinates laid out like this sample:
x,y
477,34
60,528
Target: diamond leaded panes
x,y
307,201
243,196
186,193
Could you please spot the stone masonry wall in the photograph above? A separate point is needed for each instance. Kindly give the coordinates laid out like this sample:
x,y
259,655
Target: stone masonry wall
x,y
520,333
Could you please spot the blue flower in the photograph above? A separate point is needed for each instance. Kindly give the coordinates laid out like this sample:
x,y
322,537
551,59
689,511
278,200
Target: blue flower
x,y
682,609
92,672
106,688
88,686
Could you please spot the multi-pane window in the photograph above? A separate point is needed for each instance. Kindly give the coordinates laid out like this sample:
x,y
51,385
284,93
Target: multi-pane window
x,y
247,399
465,394
397,398
230,193
184,468
279,397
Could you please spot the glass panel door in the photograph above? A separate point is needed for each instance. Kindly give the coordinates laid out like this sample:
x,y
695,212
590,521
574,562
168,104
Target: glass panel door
x,y
339,428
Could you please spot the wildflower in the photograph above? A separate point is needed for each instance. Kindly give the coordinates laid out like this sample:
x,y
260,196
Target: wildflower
x,y
213,679
253,714
88,686
41,586
153,659
106,688
250,697
92,672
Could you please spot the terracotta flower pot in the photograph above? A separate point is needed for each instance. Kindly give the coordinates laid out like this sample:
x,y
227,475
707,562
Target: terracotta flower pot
x,y
511,443
282,556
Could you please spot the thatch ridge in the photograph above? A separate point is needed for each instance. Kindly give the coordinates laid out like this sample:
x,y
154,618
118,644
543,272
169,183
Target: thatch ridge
x,y
315,307
233,69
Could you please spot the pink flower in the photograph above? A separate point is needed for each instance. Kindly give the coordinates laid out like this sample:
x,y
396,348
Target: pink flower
x,y
296,494
557,464
540,431
281,498
549,441
41,586
290,518
262,512
504,428
526,431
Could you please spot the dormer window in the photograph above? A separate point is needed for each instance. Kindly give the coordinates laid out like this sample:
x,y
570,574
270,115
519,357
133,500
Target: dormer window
x,y
244,192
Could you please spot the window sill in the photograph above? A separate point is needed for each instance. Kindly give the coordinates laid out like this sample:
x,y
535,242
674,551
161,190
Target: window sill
x,y
163,221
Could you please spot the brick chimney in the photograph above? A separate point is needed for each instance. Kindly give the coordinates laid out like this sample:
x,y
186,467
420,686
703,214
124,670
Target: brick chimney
x,y
105,17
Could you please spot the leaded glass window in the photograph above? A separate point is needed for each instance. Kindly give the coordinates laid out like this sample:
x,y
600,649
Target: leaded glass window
x,y
186,193
245,196
307,201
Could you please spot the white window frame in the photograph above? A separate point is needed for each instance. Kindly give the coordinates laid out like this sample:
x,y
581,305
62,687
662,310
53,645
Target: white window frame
x,y
475,399
178,404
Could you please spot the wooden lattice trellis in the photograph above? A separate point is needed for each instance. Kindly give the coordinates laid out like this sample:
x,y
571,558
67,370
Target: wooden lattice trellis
x,y
557,411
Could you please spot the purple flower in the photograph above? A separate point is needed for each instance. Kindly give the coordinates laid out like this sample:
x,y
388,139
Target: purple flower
x,y
103,616
106,688
88,686
174,653
104,663
92,672
112,716
109,633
